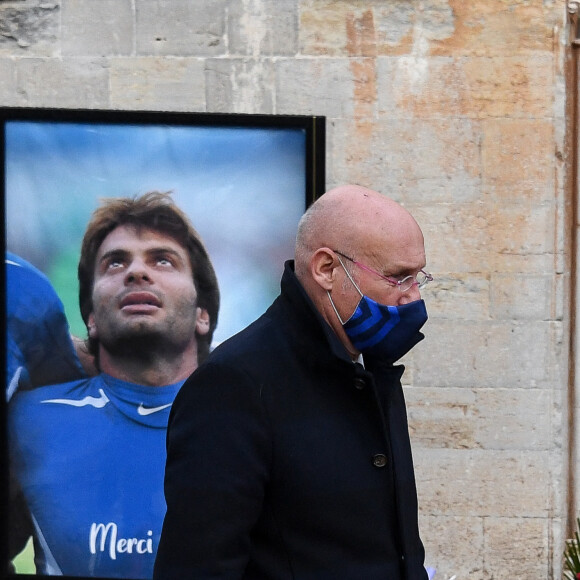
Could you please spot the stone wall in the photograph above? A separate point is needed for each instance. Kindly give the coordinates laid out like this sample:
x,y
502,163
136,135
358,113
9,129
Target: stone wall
x,y
455,108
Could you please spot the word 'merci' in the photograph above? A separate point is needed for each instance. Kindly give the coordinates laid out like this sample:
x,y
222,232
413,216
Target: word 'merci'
x,y
103,536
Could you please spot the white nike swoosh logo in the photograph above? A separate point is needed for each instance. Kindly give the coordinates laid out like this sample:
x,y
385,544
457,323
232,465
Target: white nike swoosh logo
x,y
97,402
144,411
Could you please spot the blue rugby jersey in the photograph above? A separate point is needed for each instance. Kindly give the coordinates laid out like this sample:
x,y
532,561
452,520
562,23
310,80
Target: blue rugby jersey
x,y
90,458
39,350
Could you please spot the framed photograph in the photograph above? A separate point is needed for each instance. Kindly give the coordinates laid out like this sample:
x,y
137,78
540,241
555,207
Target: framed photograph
x,y
243,180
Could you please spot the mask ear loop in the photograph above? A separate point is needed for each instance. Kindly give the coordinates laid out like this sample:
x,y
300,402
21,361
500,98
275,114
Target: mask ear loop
x,y
350,277
334,308
332,301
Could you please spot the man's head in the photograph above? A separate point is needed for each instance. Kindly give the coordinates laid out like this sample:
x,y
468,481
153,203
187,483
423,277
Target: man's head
x,y
140,227
355,231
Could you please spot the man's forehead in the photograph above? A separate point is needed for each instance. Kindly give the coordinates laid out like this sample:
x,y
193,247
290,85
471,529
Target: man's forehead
x,y
395,254
133,237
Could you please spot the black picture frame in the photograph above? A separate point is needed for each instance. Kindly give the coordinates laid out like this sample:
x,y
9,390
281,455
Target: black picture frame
x,y
273,165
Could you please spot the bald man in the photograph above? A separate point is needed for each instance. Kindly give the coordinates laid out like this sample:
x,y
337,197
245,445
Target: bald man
x,y
288,450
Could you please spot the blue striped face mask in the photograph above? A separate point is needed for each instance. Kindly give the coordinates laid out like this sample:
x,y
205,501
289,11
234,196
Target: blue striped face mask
x,y
385,332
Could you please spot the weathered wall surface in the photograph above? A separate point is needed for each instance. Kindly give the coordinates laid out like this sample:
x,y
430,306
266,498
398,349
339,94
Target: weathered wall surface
x,y
456,109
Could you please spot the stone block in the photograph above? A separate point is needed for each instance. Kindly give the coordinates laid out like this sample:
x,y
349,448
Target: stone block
x,y
332,134
466,418
240,86
263,28
518,152
323,27
556,539
374,27
420,86
315,87
483,483
77,83
351,157
181,28
524,296
496,28
473,87
458,295
453,545
487,236
419,161
472,354
9,96
524,230
29,28
529,191
509,86
516,547
176,84
104,28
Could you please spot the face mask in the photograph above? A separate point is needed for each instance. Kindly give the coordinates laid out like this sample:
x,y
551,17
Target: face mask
x,y
386,332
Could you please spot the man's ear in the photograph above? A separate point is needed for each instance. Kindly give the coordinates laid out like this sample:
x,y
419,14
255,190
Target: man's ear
x,y
202,321
92,327
323,266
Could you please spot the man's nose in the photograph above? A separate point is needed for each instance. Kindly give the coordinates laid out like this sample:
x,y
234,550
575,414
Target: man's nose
x,y
410,295
137,272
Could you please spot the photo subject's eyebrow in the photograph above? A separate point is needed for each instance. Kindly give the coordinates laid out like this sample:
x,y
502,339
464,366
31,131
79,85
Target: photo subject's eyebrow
x,y
112,254
164,251
176,258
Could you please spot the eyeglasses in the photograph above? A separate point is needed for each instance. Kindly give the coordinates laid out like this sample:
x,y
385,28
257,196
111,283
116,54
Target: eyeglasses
x,y
420,280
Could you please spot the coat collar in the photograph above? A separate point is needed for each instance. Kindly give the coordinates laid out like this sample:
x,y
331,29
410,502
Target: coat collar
x,y
316,331
308,317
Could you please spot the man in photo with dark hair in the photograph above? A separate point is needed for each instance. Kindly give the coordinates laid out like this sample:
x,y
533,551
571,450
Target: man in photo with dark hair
x,y
89,454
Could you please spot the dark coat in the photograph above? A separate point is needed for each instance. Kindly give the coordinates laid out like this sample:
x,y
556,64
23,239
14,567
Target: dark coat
x,y
286,460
